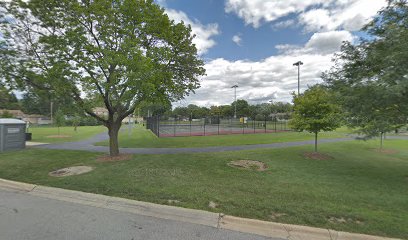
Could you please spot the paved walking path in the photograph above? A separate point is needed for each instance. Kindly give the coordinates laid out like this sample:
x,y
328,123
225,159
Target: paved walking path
x,y
87,145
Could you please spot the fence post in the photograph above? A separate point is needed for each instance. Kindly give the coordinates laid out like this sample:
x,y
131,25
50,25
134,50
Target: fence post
x,y
174,125
158,125
243,123
253,123
274,123
230,124
265,122
218,124
204,126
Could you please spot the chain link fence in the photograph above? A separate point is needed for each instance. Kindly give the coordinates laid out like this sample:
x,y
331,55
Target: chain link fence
x,y
179,126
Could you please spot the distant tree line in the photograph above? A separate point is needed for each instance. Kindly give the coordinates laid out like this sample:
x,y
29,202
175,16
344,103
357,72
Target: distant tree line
x,y
244,109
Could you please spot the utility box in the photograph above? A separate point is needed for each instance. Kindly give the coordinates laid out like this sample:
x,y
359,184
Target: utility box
x,y
12,134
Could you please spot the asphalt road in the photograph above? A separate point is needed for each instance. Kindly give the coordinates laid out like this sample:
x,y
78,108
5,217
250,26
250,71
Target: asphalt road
x,y
25,217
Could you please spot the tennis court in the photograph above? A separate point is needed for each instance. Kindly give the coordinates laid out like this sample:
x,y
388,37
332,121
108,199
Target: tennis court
x,y
218,127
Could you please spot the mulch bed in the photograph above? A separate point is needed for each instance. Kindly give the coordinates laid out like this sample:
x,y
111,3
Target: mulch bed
x,y
317,156
120,157
385,151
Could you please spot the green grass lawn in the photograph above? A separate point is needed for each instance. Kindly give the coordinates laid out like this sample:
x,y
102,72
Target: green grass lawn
x,y
49,134
143,138
369,190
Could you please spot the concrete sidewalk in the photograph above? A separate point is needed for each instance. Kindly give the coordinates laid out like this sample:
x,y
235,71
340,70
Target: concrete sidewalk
x,y
190,216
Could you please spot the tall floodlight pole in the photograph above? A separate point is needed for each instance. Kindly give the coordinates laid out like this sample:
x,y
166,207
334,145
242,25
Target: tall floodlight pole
x,y
235,100
298,65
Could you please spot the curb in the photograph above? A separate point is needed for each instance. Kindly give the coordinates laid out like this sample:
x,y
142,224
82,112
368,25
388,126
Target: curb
x,y
289,231
127,205
19,186
217,220
33,144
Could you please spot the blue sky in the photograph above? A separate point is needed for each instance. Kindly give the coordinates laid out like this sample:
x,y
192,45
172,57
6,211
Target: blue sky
x,y
256,43
253,43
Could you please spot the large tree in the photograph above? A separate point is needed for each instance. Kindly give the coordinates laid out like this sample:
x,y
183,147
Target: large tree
x,y
314,111
371,77
121,52
7,99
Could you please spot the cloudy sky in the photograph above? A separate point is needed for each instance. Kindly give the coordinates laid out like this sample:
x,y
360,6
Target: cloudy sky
x,y
254,43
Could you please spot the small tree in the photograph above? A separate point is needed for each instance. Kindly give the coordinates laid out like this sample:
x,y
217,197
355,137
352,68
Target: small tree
x,y
76,120
6,114
59,119
314,112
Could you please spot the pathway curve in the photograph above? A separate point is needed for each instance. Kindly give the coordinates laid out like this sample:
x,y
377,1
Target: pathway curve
x,y
87,145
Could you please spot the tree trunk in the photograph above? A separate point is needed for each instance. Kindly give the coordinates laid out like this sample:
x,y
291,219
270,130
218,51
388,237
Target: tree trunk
x,y
315,141
113,129
381,141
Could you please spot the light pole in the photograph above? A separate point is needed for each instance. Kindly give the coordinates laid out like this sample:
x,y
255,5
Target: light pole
x,y
235,100
298,63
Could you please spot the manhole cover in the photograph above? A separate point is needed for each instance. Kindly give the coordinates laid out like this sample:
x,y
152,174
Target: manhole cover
x,y
69,171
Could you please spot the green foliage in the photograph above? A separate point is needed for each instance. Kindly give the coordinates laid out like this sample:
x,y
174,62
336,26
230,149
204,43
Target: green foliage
x,y
314,111
153,109
366,191
6,114
118,53
371,78
191,110
7,99
243,109
36,101
59,118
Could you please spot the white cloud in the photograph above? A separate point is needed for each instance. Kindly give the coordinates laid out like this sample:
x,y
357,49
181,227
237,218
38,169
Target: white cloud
x,y
257,11
315,15
328,42
284,24
204,33
349,15
319,43
272,78
237,39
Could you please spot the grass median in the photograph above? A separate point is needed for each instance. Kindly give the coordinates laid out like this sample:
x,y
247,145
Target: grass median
x,y
139,137
357,189
64,134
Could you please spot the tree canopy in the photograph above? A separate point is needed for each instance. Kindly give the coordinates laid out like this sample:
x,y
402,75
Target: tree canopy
x,y
371,77
314,111
7,99
119,52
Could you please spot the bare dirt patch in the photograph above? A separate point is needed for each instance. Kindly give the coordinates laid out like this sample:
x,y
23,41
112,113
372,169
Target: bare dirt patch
x,y
342,220
120,157
58,136
171,201
276,215
317,156
249,164
212,204
70,171
385,151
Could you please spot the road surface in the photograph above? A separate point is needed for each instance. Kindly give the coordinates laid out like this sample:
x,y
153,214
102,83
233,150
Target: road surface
x,y
26,217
